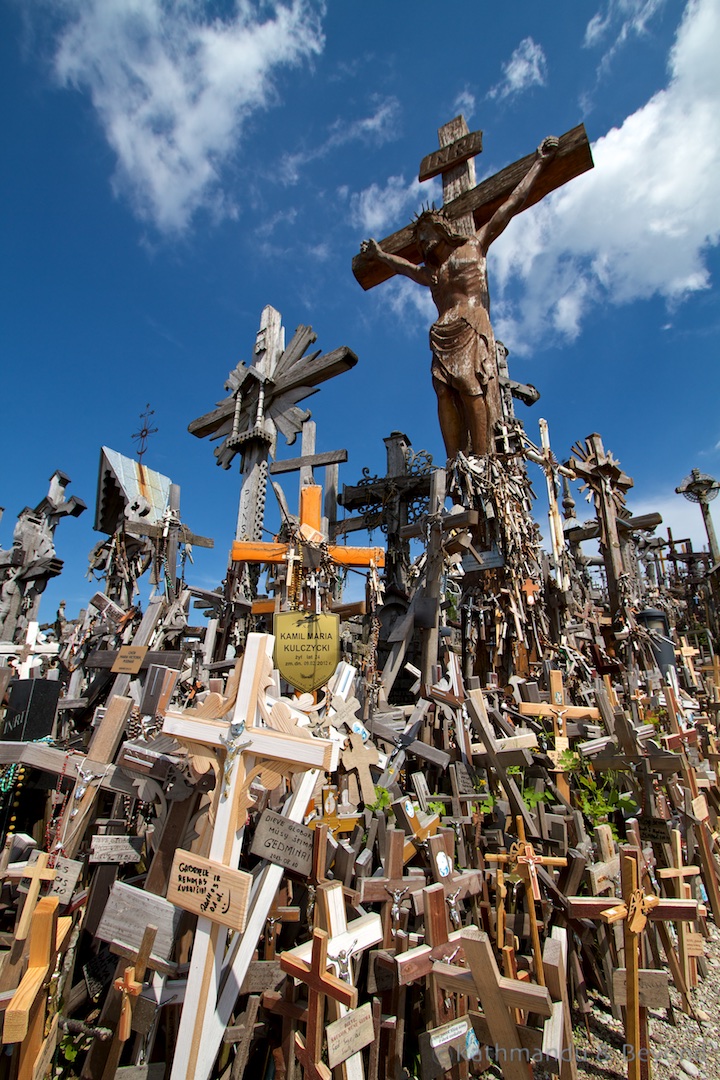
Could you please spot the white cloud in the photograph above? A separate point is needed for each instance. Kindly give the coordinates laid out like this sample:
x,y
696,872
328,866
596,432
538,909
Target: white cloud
x,y
378,209
640,222
378,127
526,67
465,103
173,89
622,19
407,301
682,517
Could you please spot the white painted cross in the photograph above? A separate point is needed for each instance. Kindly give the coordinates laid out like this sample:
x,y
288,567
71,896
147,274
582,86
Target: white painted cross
x,y
30,654
244,742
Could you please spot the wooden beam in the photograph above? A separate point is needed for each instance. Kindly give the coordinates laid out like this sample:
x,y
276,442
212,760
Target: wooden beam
x,y
572,159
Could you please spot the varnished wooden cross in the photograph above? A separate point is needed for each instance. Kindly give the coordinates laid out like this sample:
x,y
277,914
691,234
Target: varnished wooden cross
x,y
440,943
391,889
25,1015
634,910
320,984
526,860
499,997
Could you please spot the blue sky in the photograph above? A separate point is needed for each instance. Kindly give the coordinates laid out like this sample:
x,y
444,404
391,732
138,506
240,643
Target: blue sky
x,y
172,167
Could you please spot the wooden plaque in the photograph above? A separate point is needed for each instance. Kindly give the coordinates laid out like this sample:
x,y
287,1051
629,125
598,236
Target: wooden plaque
x,y
67,872
349,1034
444,1046
654,830
654,992
285,843
307,647
694,944
129,659
208,888
127,913
115,849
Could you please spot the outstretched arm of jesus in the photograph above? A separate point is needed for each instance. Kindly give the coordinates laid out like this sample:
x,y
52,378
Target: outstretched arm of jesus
x,y
500,220
396,262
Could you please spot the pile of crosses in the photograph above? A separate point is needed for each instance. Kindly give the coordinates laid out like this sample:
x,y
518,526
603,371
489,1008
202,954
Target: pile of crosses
x,y
212,869
266,881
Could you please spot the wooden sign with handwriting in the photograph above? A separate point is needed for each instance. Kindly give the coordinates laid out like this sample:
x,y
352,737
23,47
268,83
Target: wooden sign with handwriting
x,y
115,849
285,843
210,889
349,1034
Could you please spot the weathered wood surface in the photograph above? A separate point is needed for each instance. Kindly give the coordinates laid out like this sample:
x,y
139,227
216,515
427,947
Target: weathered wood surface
x,y
573,159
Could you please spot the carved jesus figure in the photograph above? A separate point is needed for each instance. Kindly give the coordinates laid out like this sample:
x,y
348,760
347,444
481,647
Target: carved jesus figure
x,y
454,268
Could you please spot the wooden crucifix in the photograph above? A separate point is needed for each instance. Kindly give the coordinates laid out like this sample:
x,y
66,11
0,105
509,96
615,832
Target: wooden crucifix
x,y
234,738
525,861
25,1015
447,253
392,888
309,532
498,997
347,940
320,984
633,911
603,476
389,501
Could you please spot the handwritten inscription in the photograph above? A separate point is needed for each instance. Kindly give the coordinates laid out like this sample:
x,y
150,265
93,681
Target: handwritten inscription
x,y
67,872
349,1034
285,843
210,889
115,849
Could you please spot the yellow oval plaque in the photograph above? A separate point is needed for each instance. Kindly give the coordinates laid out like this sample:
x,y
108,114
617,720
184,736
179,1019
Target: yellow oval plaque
x,y
307,647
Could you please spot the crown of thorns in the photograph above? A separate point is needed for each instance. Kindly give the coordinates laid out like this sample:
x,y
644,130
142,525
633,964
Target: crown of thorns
x,y
429,210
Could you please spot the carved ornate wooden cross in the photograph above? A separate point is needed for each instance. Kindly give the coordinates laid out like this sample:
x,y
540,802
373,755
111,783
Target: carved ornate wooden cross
x,y
360,755
263,399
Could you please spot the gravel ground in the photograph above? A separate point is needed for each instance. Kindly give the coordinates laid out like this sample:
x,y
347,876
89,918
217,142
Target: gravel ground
x,y
687,1047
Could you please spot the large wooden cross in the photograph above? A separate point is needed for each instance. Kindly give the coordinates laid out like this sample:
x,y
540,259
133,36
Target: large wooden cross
x,y
263,400
391,889
470,206
237,738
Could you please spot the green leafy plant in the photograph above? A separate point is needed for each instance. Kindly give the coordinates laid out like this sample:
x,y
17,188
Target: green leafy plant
x,y
529,794
436,807
382,800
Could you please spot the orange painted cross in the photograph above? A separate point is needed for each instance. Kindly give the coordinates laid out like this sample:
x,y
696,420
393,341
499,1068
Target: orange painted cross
x,y
310,519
